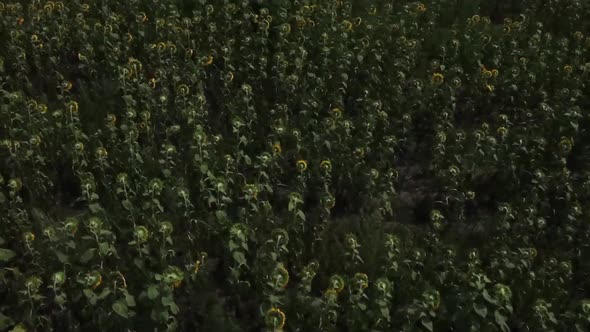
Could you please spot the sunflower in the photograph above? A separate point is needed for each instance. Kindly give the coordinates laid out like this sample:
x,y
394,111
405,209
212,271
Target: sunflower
x,y
42,108
73,107
208,60
362,280
275,318
503,292
93,279
437,79
141,234
111,119
101,152
336,112
94,224
35,140
301,165
285,28
67,86
15,185
565,145
173,276
337,283
229,76
347,25
58,278
421,8
326,165
71,226
29,237
276,148
166,228
281,276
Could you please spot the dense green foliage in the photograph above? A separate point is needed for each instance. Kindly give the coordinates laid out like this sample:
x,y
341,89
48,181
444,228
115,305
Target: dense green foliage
x,y
237,165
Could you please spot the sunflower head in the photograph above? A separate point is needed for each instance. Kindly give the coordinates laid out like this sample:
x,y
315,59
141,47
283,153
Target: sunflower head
x,y
301,165
101,152
336,112
326,165
362,280
337,283
347,25
207,60
111,119
93,279
29,237
565,145
437,79
503,292
281,277
58,278
141,234
275,318
72,107
276,148
421,8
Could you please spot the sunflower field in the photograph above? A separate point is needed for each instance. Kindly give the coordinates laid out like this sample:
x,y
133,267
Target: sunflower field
x,y
295,165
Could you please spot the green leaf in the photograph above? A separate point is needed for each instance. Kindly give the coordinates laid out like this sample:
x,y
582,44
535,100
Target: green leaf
x,y
152,292
487,297
167,301
121,309
104,248
301,215
5,322
130,300
95,207
59,300
87,255
105,292
427,323
239,257
204,168
480,309
127,205
500,317
62,258
18,328
88,293
220,214
6,255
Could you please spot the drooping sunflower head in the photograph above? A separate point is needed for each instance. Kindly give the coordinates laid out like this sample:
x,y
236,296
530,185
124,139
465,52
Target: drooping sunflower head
x,y
141,234
281,276
276,148
275,318
337,283
362,280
